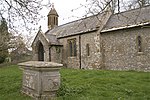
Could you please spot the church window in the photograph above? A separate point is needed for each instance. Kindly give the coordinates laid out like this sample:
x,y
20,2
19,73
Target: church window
x,y
49,54
56,21
88,50
139,43
72,47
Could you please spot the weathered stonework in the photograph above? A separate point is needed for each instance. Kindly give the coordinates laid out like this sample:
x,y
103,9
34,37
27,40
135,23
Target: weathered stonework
x,y
92,61
41,80
121,51
56,54
70,62
40,39
52,51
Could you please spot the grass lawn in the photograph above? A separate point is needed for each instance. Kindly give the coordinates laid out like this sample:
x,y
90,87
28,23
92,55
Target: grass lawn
x,y
104,85
83,85
10,83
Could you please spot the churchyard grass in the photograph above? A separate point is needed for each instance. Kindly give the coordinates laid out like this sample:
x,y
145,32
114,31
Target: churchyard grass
x,y
104,85
83,85
10,83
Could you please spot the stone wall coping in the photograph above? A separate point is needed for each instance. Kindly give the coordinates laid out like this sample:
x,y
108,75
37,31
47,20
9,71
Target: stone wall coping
x,y
40,64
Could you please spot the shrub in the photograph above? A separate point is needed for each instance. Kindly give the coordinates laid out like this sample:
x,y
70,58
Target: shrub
x,y
2,59
3,56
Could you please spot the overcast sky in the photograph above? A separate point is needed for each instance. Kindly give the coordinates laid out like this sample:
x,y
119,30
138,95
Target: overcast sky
x,y
63,8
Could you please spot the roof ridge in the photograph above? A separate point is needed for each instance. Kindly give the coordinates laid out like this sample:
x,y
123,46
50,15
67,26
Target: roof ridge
x,y
77,20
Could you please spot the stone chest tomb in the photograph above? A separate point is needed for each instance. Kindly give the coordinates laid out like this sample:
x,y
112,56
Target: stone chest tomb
x,y
41,80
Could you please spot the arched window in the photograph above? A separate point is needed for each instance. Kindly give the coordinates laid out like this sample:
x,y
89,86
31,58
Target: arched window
x,y
88,50
139,43
72,47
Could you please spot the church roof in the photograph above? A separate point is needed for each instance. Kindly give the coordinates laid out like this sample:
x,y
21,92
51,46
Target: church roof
x,y
117,21
52,39
81,26
128,19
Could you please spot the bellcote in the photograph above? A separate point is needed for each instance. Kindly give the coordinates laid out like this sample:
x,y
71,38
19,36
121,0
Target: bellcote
x,y
52,18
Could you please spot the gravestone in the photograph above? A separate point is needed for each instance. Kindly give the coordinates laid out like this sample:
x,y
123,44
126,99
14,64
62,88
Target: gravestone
x,y
41,80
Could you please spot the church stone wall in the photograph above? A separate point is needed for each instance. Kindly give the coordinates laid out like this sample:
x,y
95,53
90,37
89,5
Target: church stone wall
x,y
93,59
121,49
82,60
70,62
56,54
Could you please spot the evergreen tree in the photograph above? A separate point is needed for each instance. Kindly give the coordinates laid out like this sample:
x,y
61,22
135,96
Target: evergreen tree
x,y
4,40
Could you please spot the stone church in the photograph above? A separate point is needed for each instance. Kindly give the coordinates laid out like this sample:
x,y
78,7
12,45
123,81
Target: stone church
x,y
108,41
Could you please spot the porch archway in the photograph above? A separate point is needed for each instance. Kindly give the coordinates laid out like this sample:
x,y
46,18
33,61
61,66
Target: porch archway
x,y
40,52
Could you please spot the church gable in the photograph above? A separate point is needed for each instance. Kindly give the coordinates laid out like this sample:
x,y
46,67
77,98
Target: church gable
x,y
40,37
40,47
46,48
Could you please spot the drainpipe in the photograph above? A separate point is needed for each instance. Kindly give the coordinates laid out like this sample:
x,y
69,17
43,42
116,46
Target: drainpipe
x,y
80,51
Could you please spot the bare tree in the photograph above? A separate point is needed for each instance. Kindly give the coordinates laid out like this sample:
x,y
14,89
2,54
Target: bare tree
x,y
98,6
22,13
132,4
21,16
19,51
